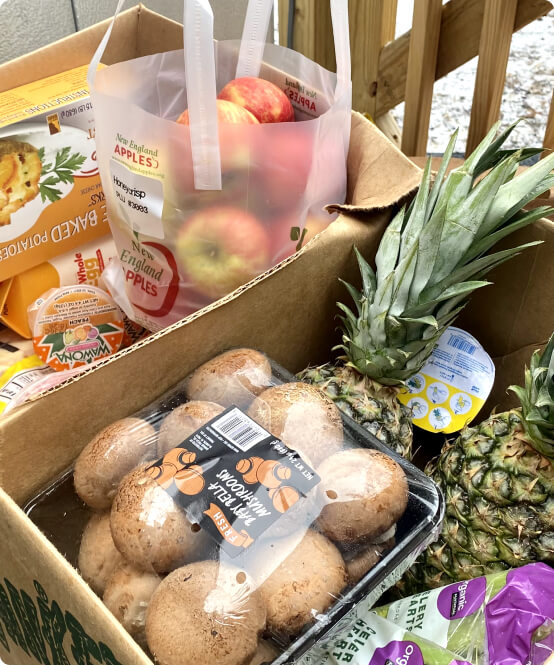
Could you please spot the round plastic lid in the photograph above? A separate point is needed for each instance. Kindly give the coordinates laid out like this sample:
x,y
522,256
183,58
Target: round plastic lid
x,y
76,325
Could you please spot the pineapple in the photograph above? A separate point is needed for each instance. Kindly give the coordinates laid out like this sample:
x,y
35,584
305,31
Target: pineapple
x,y
498,482
430,259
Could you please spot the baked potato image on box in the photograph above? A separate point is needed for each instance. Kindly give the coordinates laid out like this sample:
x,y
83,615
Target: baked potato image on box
x,y
24,173
20,169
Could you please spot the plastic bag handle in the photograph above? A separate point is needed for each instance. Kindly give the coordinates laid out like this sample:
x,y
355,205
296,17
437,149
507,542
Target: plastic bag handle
x,y
95,61
198,22
253,38
255,32
198,34
341,37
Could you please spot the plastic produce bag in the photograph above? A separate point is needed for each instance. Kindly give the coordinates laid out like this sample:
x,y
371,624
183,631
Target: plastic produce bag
x,y
372,640
241,506
197,210
487,620
542,645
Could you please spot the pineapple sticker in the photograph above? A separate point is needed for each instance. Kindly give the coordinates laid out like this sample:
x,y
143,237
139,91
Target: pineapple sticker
x,y
418,407
439,418
460,403
437,393
457,379
415,384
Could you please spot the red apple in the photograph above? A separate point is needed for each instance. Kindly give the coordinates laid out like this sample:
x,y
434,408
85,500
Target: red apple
x,y
222,247
262,98
283,160
227,112
235,141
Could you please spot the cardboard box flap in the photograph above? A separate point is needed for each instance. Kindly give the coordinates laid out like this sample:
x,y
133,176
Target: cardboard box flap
x,y
138,31
153,30
515,314
379,175
61,617
510,371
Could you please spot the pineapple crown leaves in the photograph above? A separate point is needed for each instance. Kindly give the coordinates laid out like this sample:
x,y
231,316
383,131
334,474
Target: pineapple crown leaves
x,y
434,254
537,399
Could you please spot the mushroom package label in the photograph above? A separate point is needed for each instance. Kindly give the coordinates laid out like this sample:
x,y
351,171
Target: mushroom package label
x,y
234,479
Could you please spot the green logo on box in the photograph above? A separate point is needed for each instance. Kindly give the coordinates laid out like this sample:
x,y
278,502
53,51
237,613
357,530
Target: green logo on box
x,y
39,627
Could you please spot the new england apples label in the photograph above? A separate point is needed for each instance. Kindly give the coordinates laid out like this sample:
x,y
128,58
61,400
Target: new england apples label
x,y
234,479
140,200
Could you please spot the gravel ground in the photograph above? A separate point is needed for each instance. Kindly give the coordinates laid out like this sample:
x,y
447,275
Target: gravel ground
x,y
527,93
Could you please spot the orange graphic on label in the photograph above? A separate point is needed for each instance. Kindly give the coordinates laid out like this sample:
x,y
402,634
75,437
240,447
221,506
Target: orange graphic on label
x,y
283,498
271,474
232,536
173,462
268,473
190,480
75,326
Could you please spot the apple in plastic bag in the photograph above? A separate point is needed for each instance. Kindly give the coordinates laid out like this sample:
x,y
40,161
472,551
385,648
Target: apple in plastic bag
x,y
282,165
227,112
221,247
153,283
235,146
266,101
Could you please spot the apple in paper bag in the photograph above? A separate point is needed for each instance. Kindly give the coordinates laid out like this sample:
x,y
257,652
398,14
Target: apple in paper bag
x,y
221,247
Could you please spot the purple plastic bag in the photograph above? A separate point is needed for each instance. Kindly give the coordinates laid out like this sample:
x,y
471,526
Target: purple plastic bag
x,y
487,620
517,610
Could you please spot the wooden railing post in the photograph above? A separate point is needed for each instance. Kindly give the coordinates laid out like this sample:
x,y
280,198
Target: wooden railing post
x,y
372,25
459,42
420,78
549,133
313,32
388,23
283,14
494,49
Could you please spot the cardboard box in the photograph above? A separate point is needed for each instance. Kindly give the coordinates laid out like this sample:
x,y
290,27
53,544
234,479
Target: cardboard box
x,y
37,585
51,197
47,613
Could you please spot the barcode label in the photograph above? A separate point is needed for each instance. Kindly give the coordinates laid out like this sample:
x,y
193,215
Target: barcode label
x,y
239,429
461,344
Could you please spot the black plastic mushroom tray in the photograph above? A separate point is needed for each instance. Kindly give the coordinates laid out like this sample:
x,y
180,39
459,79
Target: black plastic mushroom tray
x,y
62,514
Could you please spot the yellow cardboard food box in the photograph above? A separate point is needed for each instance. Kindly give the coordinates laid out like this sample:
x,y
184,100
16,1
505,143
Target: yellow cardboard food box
x,y
51,198
82,265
